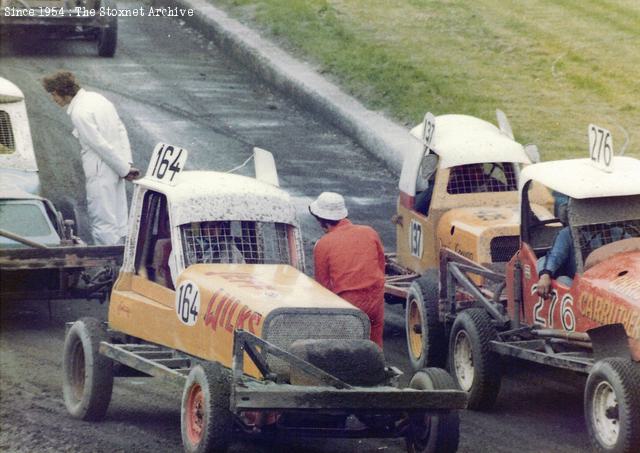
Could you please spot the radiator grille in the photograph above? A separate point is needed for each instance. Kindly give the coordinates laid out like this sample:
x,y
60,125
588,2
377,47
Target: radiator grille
x,y
7,142
285,327
503,248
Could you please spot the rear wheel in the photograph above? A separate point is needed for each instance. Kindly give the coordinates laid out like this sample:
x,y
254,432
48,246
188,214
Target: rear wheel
x,y
612,406
426,341
87,375
430,433
206,421
108,36
474,367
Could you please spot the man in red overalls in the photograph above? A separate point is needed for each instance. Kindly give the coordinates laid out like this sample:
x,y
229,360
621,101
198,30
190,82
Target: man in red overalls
x,y
349,260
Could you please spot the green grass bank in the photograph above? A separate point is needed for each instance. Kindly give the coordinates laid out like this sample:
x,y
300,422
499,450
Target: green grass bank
x,y
553,66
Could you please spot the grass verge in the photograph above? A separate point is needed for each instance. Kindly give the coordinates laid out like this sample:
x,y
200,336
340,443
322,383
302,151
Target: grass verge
x,y
553,67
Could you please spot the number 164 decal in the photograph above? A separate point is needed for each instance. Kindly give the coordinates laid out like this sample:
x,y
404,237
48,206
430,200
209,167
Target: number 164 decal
x,y
166,162
188,302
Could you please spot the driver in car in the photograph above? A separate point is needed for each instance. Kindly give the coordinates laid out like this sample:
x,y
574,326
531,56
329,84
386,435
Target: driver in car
x,y
561,259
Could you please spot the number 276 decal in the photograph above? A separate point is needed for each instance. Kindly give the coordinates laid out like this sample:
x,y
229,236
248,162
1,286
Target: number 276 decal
x,y
188,302
567,317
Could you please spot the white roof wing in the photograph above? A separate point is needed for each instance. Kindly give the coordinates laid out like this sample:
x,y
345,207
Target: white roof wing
x,y
12,102
463,139
9,92
580,178
199,196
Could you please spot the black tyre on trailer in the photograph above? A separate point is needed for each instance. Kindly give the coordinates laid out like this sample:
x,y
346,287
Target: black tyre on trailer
x,y
108,35
429,433
612,406
67,207
206,420
473,365
426,340
87,375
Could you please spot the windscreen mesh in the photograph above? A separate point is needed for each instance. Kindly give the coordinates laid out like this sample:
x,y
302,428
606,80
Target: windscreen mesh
x,y
235,242
479,178
591,237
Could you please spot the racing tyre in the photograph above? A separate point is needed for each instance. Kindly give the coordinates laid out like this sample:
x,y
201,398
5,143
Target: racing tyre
x,y
474,367
430,433
426,340
206,421
356,362
612,406
108,36
67,208
87,375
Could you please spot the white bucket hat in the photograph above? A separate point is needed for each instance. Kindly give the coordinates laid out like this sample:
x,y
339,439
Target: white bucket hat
x,y
329,206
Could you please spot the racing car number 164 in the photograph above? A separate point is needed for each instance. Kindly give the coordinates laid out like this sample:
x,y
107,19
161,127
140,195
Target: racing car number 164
x,y
166,162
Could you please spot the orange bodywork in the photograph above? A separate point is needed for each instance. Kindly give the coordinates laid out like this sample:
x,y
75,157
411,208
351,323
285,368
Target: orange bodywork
x,y
464,223
231,296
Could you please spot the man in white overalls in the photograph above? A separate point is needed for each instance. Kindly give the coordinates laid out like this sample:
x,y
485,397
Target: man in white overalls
x,y
106,155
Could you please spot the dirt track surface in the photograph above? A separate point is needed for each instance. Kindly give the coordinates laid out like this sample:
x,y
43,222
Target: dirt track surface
x,y
170,85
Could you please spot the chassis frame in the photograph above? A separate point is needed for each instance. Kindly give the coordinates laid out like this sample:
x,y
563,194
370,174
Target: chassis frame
x,y
331,396
574,351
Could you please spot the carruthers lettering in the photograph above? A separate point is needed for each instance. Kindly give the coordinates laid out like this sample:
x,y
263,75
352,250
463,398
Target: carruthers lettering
x,y
605,311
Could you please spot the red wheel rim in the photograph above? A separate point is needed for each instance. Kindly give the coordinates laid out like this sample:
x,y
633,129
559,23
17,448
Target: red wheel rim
x,y
195,414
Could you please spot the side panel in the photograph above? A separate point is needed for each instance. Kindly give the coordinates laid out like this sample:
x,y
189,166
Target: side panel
x,y
147,310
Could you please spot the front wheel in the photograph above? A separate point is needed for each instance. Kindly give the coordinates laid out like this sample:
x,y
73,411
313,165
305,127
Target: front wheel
x,y
426,340
474,366
433,433
206,421
612,406
87,380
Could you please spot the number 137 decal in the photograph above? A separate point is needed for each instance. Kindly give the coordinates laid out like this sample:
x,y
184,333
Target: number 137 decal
x,y
415,239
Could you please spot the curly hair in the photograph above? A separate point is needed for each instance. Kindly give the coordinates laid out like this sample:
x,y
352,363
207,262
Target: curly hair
x,y
62,83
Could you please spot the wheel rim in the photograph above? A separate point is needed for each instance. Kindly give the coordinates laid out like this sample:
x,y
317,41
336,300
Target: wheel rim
x,y
77,374
420,432
195,414
463,361
604,414
415,329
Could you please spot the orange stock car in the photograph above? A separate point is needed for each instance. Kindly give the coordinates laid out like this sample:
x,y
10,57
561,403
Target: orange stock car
x,y
261,347
470,206
590,324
